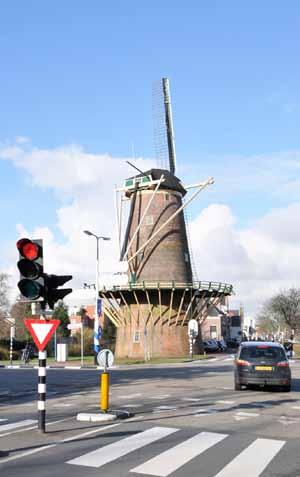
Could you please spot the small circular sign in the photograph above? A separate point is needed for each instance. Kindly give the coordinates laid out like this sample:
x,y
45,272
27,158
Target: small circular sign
x,y
105,358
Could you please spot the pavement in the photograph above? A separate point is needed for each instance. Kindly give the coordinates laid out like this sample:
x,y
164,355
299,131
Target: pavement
x,y
188,421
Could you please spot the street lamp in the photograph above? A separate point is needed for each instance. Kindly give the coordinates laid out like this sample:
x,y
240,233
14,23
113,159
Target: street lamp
x,y
96,322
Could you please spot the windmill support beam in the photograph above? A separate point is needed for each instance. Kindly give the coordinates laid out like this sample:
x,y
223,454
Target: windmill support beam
x,y
171,305
149,306
139,308
108,311
143,216
117,308
188,308
180,306
126,304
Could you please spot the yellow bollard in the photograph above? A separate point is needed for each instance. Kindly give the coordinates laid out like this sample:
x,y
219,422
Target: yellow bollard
x,y
104,383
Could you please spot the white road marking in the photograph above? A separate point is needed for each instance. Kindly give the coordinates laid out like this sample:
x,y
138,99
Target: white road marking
x,y
192,399
88,433
253,460
205,412
129,396
63,405
113,451
287,420
131,405
39,449
241,416
15,425
162,396
34,427
225,402
171,460
164,408
24,454
295,407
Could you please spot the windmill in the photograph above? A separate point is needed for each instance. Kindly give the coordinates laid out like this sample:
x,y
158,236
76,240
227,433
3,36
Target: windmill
x,y
151,312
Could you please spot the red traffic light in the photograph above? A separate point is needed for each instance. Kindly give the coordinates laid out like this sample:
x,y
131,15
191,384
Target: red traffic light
x,y
28,249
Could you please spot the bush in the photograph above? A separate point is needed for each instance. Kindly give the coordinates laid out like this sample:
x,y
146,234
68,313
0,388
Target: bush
x,y
75,344
4,354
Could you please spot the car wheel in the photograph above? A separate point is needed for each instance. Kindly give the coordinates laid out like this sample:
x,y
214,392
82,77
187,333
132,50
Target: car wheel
x,y
237,386
287,388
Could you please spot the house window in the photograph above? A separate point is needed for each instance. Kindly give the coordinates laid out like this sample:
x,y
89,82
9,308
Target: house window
x,y
149,219
213,331
136,336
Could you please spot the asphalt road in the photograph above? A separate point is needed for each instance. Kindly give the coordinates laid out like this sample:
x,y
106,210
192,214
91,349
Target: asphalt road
x,y
188,422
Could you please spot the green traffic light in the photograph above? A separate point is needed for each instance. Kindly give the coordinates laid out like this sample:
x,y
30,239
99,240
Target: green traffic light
x,y
30,289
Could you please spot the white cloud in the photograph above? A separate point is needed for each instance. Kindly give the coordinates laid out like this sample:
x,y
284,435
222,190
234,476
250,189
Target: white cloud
x,y
258,260
274,176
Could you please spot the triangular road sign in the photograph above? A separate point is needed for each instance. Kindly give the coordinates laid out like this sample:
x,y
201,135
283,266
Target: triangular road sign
x,y
41,331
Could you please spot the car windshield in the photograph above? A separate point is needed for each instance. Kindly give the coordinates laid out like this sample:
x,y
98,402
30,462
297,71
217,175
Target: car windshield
x,y
267,352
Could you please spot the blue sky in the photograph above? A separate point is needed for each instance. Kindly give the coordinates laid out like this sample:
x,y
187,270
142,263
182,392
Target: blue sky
x,y
81,73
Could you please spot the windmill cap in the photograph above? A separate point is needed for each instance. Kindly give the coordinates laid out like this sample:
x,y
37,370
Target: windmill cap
x,y
170,182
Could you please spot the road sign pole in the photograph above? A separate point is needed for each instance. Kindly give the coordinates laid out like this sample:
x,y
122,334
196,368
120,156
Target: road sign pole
x,y
42,391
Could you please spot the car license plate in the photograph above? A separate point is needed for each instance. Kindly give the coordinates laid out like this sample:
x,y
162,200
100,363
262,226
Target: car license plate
x,y
263,368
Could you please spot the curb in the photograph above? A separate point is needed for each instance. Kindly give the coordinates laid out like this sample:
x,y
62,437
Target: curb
x,y
111,415
119,366
29,366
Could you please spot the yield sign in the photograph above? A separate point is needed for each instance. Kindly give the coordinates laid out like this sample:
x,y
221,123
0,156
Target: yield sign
x,y
41,331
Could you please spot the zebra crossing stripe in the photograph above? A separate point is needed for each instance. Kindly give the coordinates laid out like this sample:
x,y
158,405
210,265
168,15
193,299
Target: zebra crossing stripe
x,y
253,460
167,462
120,448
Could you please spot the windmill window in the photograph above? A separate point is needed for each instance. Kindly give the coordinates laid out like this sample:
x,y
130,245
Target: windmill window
x,y
136,336
149,219
167,197
186,257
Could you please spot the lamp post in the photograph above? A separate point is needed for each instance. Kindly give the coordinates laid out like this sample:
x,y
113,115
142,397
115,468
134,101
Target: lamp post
x,y
96,322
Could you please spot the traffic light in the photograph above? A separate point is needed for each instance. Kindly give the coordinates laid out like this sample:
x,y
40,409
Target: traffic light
x,y
30,265
52,293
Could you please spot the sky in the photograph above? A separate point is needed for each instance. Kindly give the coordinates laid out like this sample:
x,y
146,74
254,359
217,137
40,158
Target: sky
x,y
76,102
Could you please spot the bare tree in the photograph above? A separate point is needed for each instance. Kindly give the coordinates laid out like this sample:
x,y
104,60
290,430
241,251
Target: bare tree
x,y
3,292
281,310
4,326
19,311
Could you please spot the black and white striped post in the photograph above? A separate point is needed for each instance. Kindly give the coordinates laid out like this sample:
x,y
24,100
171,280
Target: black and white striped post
x,y
42,391
191,346
12,335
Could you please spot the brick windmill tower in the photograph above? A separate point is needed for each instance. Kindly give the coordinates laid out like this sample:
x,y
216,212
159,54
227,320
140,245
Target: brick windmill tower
x,y
151,312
